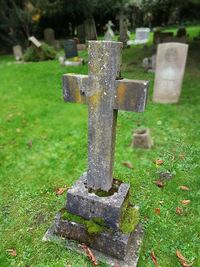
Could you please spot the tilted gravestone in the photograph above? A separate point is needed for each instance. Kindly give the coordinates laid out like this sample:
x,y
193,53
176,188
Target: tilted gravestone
x,y
104,93
170,67
49,36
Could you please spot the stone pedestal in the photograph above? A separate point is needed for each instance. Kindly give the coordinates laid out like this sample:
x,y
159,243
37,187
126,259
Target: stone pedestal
x,y
142,139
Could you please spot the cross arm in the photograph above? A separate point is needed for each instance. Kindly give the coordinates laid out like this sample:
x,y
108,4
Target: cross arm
x,y
74,88
131,95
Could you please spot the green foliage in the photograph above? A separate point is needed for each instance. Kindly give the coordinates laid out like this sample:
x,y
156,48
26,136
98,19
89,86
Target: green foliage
x,y
130,220
46,52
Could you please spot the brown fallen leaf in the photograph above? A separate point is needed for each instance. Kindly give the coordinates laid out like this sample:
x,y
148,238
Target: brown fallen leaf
x,y
185,188
179,210
185,201
60,191
154,259
184,262
127,164
89,254
159,161
159,183
157,211
12,252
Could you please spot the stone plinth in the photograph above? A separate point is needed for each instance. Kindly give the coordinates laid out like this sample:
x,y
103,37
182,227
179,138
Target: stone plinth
x,y
142,139
89,205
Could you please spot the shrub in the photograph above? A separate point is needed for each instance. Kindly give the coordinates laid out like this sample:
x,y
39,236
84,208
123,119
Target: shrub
x,y
45,52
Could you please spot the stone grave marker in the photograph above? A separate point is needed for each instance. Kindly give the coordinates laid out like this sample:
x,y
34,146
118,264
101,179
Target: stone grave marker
x,y
109,35
159,37
123,29
35,42
17,50
90,29
49,36
104,93
141,36
170,67
81,33
70,48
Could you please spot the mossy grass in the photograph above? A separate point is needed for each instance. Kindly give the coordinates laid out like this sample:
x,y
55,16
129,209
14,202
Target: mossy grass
x,y
130,220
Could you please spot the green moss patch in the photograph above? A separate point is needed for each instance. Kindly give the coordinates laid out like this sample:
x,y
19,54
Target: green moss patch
x,y
130,220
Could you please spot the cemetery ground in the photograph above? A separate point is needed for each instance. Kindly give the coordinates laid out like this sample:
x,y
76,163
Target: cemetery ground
x,y
43,150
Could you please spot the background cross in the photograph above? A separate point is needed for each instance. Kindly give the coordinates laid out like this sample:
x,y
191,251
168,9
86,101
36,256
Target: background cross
x,y
105,94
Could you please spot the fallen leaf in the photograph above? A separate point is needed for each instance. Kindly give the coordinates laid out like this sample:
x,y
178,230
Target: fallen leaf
x,y
185,188
12,252
159,183
157,211
184,262
153,257
158,161
89,254
185,201
127,164
60,191
179,210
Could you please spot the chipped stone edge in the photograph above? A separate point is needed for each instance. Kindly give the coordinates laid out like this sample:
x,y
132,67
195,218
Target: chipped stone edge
x,y
131,259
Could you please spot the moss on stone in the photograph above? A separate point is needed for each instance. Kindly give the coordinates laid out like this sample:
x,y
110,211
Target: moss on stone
x,y
130,220
94,225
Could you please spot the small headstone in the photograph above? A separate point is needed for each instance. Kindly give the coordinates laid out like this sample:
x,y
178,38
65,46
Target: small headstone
x,y
181,32
170,67
159,37
141,36
70,48
49,36
90,29
109,35
142,139
35,42
81,33
17,50
123,29
152,63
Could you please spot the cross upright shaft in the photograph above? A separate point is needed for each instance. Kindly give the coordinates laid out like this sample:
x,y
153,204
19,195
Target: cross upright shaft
x,y
104,95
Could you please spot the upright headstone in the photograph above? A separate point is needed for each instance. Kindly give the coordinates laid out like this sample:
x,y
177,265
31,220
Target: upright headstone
x,y
159,37
105,94
17,50
90,29
123,29
109,35
141,36
49,36
170,67
81,33
70,48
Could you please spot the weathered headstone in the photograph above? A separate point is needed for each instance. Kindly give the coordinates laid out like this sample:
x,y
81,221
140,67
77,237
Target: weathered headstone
x,y
17,50
81,33
109,35
90,29
105,94
49,36
170,66
123,29
141,36
35,42
70,48
159,37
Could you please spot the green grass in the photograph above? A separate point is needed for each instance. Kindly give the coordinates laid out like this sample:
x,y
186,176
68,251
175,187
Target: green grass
x,y
43,146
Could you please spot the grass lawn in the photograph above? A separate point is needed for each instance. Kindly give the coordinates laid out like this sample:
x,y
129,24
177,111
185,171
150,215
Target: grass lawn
x,y
43,146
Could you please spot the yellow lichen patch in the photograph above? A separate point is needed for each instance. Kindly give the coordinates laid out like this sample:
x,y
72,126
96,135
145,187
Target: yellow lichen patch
x,y
121,94
95,100
78,96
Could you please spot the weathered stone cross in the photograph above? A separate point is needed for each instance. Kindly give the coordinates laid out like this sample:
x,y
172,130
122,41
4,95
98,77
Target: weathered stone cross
x,y
105,94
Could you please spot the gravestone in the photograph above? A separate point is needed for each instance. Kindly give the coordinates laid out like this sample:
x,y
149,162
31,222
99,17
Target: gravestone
x,y
81,33
17,50
49,36
175,39
123,29
105,94
109,35
90,29
35,42
141,36
170,67
159,37
70,48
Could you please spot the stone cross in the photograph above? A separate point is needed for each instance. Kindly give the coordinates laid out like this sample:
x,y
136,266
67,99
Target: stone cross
x,y
104,93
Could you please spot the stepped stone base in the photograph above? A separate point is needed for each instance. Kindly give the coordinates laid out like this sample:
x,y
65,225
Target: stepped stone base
x,y
113,248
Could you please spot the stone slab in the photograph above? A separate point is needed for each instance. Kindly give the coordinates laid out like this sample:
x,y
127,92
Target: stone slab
x,y
130,260
88,205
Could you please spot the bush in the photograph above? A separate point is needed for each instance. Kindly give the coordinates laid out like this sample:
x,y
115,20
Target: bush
x,y
45,52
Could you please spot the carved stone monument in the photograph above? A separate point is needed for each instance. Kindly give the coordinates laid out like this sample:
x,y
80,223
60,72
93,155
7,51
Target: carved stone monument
x,y
170,67
109,35
96,197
